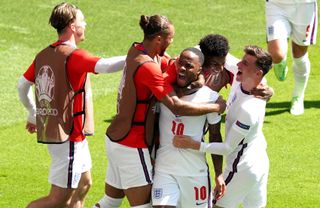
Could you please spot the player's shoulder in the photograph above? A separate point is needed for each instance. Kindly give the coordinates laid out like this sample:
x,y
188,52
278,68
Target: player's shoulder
x,y
253,106
208,93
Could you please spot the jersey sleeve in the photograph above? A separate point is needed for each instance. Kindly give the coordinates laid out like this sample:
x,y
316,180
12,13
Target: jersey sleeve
x,y
238,131
80,61
29,74
245,120
151,76
213,117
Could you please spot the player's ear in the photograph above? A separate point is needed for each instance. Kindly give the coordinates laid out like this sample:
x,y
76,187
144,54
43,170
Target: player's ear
x,y
199,71
72,26
259,73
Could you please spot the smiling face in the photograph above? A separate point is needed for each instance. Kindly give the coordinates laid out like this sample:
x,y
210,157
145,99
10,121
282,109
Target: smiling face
x,y
248,71
188,68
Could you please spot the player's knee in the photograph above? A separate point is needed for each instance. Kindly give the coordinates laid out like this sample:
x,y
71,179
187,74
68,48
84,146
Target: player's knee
x,y
85,184
278,57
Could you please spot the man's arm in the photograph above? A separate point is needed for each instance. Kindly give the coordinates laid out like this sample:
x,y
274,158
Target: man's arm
x,y
184,108
263,91
234,136
109,65
26,98
215,136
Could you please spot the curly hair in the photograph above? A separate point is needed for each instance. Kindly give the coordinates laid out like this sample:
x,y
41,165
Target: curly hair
x,y
214,45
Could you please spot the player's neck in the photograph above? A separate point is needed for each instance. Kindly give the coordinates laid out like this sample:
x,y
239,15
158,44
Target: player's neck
x,y
66,37
150,48
249,85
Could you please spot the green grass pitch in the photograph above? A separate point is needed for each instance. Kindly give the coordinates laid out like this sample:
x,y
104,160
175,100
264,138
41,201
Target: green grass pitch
x,y
293,142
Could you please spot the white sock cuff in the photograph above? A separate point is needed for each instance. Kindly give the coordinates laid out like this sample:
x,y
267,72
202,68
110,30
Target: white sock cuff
x,y
302,59
109,202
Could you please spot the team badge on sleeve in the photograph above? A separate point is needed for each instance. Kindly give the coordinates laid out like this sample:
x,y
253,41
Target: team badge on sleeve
x,y
157,193
270,30
243,126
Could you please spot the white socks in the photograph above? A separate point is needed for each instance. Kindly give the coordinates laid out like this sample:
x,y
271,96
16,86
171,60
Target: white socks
x,y
108,202
301,69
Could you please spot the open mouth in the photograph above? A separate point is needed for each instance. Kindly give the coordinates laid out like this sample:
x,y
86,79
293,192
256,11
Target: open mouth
x,y
182,76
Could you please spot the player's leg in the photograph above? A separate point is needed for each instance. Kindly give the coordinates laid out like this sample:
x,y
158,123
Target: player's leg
x,y
165,190
64,175
58,197
139,196
82,164
278,31
112,199
301,70
303,34
78,197
114,193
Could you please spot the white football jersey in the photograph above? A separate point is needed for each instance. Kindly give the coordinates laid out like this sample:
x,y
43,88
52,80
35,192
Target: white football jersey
x,y
231,66
246,115
184,162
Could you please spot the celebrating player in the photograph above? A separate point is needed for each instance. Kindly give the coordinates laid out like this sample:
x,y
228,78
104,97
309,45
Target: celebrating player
x,y
247,167
127,148
182,176
59,73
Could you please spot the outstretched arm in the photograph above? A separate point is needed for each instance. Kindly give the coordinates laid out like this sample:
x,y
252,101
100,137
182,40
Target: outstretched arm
x,y
233,138
109,65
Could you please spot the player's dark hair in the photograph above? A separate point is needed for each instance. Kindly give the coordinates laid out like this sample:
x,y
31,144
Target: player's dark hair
x,y
264,60
214,45
62,14
154,25
197,52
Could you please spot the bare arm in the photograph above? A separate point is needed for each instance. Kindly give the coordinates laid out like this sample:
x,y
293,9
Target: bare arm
x,y
183,108
215,136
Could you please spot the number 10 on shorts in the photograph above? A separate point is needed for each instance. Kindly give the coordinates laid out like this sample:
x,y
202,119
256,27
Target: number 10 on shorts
x,y
200,193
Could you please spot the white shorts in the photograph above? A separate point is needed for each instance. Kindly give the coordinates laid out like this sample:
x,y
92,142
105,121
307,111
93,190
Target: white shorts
x,y
181,191
246,187
69,161
127,167
296,20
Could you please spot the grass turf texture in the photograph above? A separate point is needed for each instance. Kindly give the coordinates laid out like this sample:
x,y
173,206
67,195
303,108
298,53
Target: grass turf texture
x,y
294,179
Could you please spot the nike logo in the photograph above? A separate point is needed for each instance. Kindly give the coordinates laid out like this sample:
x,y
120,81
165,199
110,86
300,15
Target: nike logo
x,y
200,203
